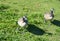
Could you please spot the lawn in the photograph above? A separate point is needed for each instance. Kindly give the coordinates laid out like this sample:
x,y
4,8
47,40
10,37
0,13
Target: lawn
x,y
37,30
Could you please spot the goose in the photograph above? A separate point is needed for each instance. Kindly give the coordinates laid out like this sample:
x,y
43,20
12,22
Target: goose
x,y
23,21
49,15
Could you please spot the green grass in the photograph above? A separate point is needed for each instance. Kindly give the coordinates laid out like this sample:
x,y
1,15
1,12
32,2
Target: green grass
x,y
12,10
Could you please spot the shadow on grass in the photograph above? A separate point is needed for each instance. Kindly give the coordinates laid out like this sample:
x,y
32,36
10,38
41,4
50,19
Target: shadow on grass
x,y
50,34
2,39
58,0
35,30
56,22
3,7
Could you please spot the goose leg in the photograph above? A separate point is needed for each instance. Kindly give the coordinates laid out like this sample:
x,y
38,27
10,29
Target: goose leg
x,y
49,24
45,21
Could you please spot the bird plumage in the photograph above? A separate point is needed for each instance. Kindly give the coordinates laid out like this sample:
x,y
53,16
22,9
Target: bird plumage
x,y
23,21
49,15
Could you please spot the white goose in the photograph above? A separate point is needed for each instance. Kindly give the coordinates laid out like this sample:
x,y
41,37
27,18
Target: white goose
x,y
49,16
23,21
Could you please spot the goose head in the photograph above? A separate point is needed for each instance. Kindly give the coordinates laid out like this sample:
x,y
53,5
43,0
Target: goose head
x,y
51,10
25,19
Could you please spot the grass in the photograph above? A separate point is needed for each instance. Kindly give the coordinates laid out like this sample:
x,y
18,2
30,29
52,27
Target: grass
x,y
12,10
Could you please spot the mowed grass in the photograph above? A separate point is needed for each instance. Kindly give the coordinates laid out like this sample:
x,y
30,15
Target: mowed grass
x,y
37,30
